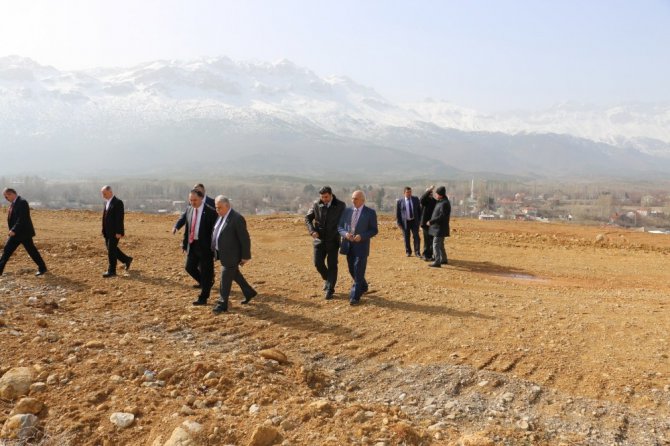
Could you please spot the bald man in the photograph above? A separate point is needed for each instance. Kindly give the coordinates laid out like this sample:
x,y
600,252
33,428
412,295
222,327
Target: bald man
x,y
21,231
357,226
113,231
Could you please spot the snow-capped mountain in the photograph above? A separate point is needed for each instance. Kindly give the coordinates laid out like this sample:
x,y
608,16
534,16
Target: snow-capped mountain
x,y
163,116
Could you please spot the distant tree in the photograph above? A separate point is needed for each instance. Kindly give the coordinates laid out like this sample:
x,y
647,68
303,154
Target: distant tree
x,y
309,189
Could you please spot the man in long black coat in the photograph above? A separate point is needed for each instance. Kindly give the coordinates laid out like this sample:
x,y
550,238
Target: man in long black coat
x,y
439,226
21,231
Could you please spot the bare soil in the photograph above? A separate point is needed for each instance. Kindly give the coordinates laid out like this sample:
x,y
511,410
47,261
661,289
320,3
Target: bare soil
x,y
534,333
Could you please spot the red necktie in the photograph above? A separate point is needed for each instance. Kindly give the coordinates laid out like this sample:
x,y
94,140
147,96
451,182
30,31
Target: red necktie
x,y
191,234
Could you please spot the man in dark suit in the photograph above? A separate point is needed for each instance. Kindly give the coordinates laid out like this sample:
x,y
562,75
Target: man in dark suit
x,y
408,213
321,222
21,231
209,201
439,226
357,226
232,246
197,244
427,207
113,231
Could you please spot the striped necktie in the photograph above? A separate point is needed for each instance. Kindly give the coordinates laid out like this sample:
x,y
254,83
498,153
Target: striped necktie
x,y
354,220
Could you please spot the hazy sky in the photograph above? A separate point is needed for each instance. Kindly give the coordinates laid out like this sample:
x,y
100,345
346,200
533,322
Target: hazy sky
x,y
489,55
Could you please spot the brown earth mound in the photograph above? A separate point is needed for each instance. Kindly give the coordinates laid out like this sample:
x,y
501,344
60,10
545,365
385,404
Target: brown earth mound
x,y
533,334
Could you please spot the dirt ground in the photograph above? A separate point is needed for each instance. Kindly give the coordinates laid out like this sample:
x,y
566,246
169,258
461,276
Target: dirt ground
x,y
534,333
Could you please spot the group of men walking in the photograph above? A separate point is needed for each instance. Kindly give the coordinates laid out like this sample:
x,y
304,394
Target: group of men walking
x,y
337,229
214,231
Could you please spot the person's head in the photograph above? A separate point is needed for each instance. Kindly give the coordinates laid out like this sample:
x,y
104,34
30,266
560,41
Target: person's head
x,y
201,188
408,192
326,194
195,197
106,192
441,192
358,198
222,205
10,194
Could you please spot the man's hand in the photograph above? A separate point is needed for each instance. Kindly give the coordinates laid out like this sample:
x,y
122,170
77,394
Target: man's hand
x,y
357,238
174,231
118,236
12,233
243,261
315,234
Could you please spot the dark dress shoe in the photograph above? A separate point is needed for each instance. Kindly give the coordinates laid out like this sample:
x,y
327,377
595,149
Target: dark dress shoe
x,y
429,259
199,302
329,295
130,260
445,262
435,265
219,309
247,299
409,254
354,302
108,274
197,285
41,273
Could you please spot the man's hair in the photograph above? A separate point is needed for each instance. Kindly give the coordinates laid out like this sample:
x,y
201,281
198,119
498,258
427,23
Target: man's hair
x,y
222,199
199,186
9,190
407,188
326,190
197,192
109,188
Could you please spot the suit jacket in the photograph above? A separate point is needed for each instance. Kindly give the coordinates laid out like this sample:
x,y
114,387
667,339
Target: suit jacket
x,y
439,221
233,243
207,222
19,221
112,219
325,220
209,202
401,211
366,227
428,203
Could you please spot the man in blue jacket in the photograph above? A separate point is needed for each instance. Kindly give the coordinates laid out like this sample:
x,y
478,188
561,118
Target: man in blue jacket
x,y
357,226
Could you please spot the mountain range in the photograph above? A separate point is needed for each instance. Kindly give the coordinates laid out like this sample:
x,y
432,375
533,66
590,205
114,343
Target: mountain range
x,y
217,116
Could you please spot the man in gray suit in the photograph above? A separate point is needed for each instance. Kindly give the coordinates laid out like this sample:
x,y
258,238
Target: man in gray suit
x,y
232,246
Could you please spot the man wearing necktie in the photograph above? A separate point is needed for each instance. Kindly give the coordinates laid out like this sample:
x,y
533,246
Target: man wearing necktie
x,y
113,231
357,226
408,216
197,242
232,246
21,231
